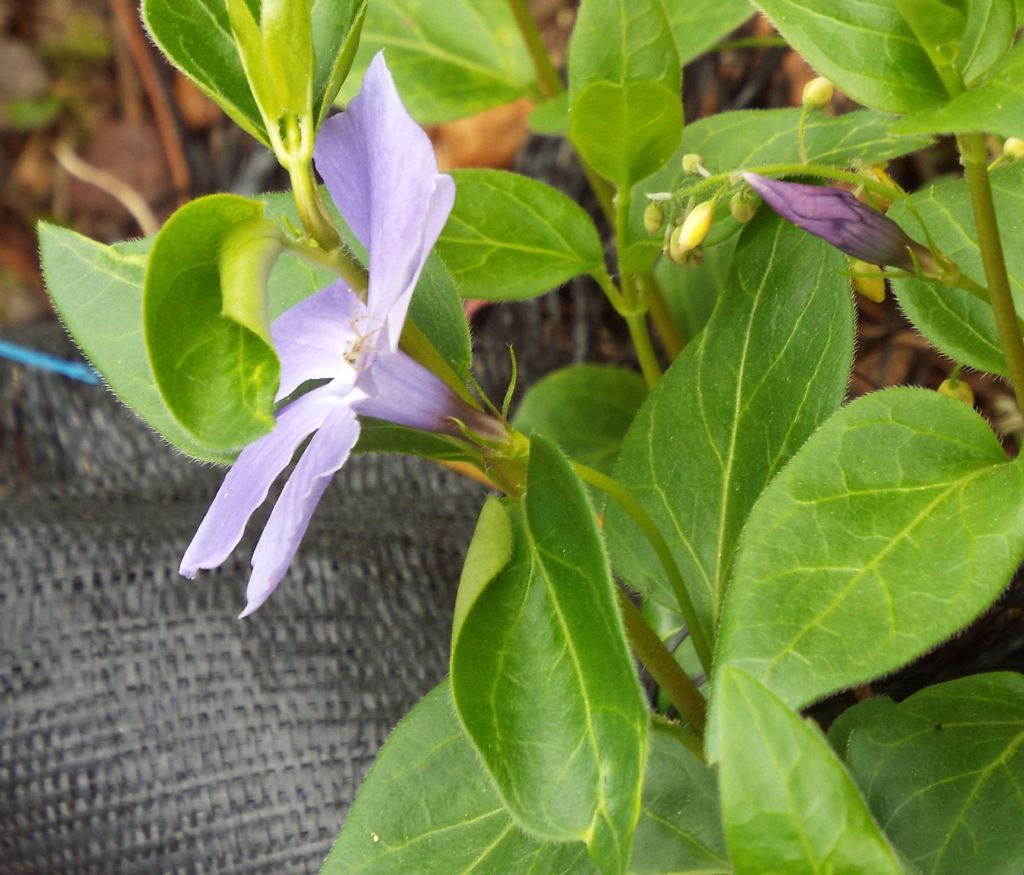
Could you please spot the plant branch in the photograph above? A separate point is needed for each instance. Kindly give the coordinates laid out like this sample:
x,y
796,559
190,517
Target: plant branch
x,y
643,521
660,662
664,322
975,160
820,171
547,76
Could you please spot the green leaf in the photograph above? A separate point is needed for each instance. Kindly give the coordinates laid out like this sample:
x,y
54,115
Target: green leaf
x,y
510,237
866,49
337,26
994,106
943,772
751,139
787,802
216,375
428,807
699,24
449,59
680,831
551,116
586,410
768,369
196,37
902,506
624,88
963,38
958,323
97,291
541,675
692,292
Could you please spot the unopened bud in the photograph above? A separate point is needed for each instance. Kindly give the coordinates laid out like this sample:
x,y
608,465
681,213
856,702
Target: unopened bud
x,y
742,206
958,390
871,287
692,163
817,93
692,232
653,218
1014,147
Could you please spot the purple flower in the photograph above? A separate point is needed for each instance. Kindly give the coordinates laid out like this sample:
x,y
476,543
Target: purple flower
x,y
837,217
380,169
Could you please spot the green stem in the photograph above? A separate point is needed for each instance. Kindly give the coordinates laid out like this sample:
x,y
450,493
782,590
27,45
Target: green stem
x,y
340,260
821,171
658,660
633,297
547,76
664,322
312,212
975,159
683,734
641,337
643,521
801,133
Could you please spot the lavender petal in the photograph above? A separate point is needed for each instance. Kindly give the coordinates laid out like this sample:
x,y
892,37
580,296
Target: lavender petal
x,y
327,452
312,337
246,485
381,171
837,217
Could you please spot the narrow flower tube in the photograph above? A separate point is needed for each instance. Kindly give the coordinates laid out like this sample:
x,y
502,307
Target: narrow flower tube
x,y
837,217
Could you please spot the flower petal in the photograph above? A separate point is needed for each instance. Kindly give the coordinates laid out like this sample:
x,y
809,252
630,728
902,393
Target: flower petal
x,y
246,485
312,337
837,217
381,171
327,452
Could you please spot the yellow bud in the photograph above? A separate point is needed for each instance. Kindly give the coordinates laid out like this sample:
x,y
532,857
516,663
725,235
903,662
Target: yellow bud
x,y
1014,147
693,231
871,287
742,206
958,390
817,93
692,162
653,217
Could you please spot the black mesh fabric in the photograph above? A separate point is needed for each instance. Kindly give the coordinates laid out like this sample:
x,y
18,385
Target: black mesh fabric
x,y
145,729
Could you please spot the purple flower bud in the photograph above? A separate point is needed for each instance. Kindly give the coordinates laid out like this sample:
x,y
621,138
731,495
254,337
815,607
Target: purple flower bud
x,y
837,217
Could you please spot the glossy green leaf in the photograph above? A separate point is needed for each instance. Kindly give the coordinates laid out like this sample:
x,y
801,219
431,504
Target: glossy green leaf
x,y
217,375
958,323
286,27
768,369
541,675
866,48
680,829
624,88
585,409
901,507
510,237
97,291
196,37
995,106
428,807
943,772
449,59
337,27
699,24
750,139
787,802
963,38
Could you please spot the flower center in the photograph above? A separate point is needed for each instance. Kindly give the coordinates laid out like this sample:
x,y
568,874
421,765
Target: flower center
x,y
361,347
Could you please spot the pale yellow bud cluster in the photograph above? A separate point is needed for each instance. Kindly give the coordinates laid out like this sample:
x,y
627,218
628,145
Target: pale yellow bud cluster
x,y
692,164
688,236
1014,147
957,389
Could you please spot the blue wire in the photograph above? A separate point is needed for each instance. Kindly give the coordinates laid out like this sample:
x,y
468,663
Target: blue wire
x,y
35,359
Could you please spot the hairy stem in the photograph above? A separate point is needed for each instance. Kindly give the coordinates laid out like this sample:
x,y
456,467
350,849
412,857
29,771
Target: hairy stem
x,y
820,171
547,76
658,660
975,160
643,521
